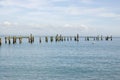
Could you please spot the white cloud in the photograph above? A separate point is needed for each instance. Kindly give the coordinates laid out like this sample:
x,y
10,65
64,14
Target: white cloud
x,y
87,1
25,4
110,15
84,10
8,24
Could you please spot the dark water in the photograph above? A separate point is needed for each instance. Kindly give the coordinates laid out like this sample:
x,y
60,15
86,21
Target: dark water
x,y
61,61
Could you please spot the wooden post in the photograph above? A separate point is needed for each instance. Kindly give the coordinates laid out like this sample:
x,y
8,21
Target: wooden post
x,y
0,41
97,38
77,38
94,38
56,38
46,39
101,37
51,38
64,38
111,37
87,38
5,40
14,40
9,40
20,40
106,38
32,39
40,40
29,39
67,38
70,38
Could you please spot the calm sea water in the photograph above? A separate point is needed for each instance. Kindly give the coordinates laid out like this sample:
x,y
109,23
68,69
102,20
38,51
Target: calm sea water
x,y
61,61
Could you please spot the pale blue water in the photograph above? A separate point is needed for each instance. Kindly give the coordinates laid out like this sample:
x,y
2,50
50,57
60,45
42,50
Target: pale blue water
x,y
61,61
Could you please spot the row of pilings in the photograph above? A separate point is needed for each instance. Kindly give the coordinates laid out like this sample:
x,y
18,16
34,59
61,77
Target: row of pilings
x,y
98,38
57,38
60,38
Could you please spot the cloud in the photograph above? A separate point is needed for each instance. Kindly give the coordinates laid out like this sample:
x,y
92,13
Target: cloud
x,y
87,1
84,10
110,15
8,24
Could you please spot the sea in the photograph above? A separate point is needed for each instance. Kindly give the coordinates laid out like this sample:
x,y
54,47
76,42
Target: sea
x,y
67,60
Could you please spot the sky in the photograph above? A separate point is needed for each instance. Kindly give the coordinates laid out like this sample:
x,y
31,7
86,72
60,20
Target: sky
x,y
66,17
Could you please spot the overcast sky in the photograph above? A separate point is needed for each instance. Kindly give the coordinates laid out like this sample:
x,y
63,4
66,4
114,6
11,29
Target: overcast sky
x,y
68,17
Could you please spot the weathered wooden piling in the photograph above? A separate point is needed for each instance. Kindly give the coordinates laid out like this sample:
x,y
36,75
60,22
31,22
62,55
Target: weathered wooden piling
x,y
111,37
0,41
51,38
70,38
40,39
14,39
101,37
77,38
9,40
20,40
5,40
94,38
87,38
67,38
56,38
46,39
106,38
97,38
64,38
31,39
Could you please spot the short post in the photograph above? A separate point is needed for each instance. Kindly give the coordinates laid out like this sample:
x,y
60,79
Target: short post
x,y
101,37
9,40
56,38
46,39
106,38
20,40
51,38
77,37
14,40
94,38
67,38
111,37
70,38
64,38
87,38
0,41
5,40
40,40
